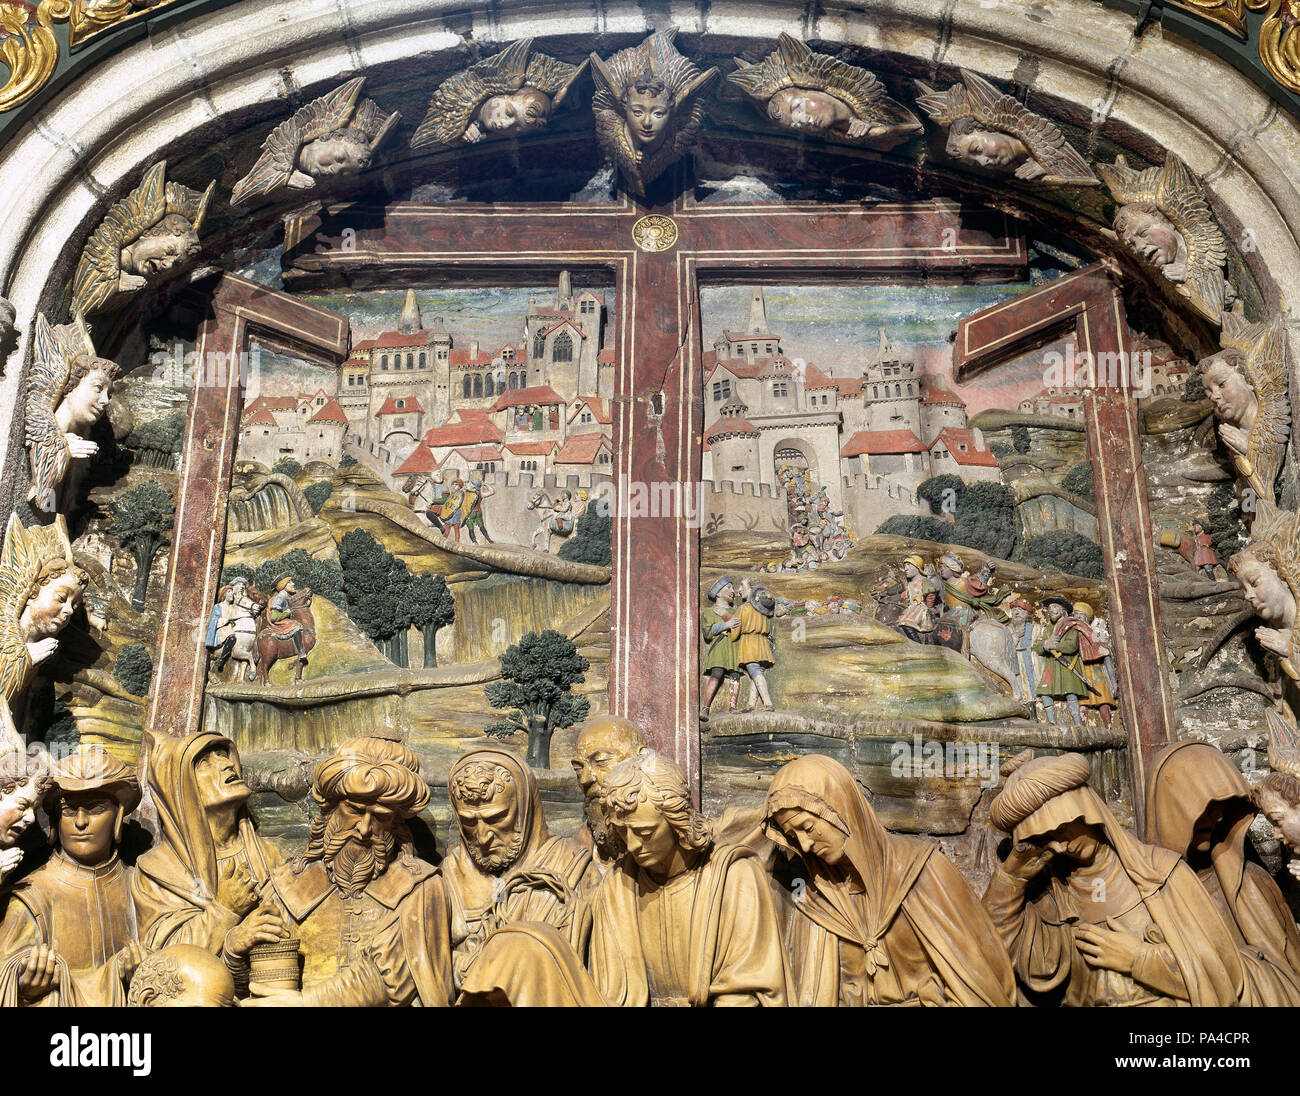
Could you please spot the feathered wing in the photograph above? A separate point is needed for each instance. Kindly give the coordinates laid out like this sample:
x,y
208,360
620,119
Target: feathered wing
x,y
452,106
374,122
554,77
46,447
95,281
1283,741
279,157
1181,200
1280,529
190,204
944,107
611,133
1267,373
1054,160
20,566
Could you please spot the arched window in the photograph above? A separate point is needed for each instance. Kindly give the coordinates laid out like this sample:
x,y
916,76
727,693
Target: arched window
x,y
383,361
466,384
898,390
562,348
410,361
539,347
909,389
514,380
875,392
478,385
424,360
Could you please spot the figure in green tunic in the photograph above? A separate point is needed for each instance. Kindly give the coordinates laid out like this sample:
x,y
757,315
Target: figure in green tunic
x,y
719,628
1062,661
967,597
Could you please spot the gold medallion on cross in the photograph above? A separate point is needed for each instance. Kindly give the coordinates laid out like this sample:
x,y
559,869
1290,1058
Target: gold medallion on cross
x,y
654,232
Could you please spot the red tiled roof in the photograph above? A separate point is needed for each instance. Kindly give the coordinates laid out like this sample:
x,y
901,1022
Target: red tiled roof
x,y
848,386
462,357
330,412
390,406
393,340
471,414
815,378
479,453
741,336
542,394
729,427
420,460
260,417
882,442
274,403
954,438
937,392
561,323
452,434
581,449
531,448
598,407
740,368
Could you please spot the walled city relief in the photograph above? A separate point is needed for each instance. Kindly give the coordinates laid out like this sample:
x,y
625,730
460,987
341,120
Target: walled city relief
x,y
400,782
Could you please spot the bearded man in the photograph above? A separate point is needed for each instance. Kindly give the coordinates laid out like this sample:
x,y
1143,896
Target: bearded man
x,y
359,866
603,743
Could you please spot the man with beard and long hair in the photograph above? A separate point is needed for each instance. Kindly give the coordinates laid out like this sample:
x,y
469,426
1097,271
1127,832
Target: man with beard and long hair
x,y
601,745
359,866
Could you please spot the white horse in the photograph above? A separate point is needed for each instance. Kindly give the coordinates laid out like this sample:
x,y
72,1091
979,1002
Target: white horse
x,y
993,648
559,518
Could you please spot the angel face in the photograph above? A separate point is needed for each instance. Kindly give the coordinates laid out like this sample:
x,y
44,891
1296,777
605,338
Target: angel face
x,y
86,403
50,608
801,108
527,108
985,147
1148,235
649,110
1228,390
1263,589
169,243
340,153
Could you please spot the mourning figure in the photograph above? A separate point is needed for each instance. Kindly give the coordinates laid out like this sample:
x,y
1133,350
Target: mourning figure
x,y
603,743
24,778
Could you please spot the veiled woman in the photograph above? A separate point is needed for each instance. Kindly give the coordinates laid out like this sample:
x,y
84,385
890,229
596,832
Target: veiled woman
x,y
1198,805
881,919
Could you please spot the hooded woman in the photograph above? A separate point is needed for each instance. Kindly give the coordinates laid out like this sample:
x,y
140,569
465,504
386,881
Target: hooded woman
x,y
1091,915
1198,805
201,884
882,920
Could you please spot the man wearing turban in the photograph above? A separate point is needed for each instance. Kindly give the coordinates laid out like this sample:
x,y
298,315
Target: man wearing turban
x,y
1198,805
881,919
359,870
1090,915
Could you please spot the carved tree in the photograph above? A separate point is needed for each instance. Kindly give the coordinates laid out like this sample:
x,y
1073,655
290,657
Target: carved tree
x,y
538,673
142,524
429,606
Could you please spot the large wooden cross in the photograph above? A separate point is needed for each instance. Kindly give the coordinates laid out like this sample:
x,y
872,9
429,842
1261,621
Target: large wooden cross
x,y
658,256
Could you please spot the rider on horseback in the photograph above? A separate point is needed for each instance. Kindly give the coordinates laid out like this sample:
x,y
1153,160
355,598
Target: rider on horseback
x,y
232,606
279,613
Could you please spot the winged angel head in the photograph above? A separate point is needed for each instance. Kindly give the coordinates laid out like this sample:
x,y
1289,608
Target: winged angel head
x,y
40,589
150,232
1164,222
991,129
1247,383
803,90
649,107
336,134
67,393
513,91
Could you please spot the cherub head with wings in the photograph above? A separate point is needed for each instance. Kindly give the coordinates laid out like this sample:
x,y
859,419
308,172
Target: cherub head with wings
x,y
336,134
68,391
152,231
648,107
815,92
1164,222
990,129
1247,383
512,91
1268,569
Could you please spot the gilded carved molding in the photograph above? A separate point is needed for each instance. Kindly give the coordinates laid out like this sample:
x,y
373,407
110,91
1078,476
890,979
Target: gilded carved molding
x,y
1228,14
1279,45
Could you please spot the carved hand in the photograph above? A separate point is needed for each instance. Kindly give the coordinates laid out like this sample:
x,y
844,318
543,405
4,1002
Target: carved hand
x,y
300,180
858,128
1234,437
81,447
1026,860
11,858
473,134
39,974
1277,640
262,926
1293,867
41,649
242,894
1112,948
129,283
269,997
128,959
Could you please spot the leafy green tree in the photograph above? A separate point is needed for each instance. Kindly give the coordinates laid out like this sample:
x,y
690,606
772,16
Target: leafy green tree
x,y
286,466
1064,550
155,443
592,539
917,527
537,674
133,668
987,519
141,522
348,461
1223,521
377,584
317,493
1020,439
1078,480
1195,390
942,492
429,606
324,576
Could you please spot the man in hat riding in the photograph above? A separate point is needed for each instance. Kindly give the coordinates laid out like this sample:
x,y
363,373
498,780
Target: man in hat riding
x,y
69,932
280,615
1063,665
720,629
969,596
233,605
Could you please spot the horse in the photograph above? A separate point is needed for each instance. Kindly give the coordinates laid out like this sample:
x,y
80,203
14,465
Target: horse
x,y
554,522
243,656
272,647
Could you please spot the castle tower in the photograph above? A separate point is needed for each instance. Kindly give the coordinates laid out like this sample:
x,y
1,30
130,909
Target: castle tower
x,y
758,313
564,292
411,321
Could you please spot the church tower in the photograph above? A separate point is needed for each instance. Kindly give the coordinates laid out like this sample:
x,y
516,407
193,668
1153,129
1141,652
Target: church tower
x,y
758,313
410,321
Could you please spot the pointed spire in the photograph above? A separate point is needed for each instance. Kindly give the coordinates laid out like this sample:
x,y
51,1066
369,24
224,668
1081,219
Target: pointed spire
x,y
564,292
758,313
411,321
